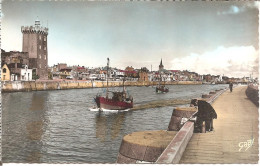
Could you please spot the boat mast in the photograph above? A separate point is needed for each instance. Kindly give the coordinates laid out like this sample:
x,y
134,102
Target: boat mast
x,y
124,84
107,76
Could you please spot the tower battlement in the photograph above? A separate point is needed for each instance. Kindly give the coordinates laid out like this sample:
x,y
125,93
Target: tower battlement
x,y
34,29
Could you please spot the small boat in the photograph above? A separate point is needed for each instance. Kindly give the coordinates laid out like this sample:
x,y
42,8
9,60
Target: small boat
x,y
117,101
161,88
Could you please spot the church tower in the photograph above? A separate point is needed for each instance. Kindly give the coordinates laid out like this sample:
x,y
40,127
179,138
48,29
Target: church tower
x,y
161,66
35,43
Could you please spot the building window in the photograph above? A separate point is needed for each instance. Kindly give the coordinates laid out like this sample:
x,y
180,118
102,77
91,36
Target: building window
x,y
40,47
40,37
44,47
44,38
45,57
4,70
40,66
40,56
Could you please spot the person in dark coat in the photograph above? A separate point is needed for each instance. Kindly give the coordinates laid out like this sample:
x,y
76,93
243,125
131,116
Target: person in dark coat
x,y
194,103
231,86
205,113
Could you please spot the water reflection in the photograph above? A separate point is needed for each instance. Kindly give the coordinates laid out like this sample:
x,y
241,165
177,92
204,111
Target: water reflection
x,y
35,126
34,130
37,102
109,125
117,125
34,157
101,127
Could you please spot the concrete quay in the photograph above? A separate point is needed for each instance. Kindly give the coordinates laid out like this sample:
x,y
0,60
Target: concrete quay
x,y
235,136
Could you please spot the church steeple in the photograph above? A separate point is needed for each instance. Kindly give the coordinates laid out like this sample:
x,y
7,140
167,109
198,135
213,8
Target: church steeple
x,y
161,65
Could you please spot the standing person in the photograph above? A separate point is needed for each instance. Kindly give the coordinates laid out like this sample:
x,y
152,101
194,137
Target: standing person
x,y
230,86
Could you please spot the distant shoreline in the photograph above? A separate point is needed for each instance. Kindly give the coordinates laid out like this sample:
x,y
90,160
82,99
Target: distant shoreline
x,y
27,86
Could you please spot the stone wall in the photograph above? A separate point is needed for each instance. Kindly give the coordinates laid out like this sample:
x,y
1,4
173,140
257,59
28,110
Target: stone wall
x,y
23,86
252,93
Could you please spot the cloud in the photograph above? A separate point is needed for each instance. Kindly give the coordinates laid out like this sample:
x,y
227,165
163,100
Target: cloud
x,y
231,61
2,15
255,4
235,9
232,10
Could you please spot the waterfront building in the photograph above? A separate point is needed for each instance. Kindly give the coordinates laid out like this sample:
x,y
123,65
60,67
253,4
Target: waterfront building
x,y
79,72
175,74
5,73
53,72
143,74
225,79
35,43
26,74
130,72
15,61
65,73
92,77
117,74
61,66
207,78
54,68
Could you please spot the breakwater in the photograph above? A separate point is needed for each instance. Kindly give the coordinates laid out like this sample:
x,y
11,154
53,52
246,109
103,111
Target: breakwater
x,y
25,86
252,93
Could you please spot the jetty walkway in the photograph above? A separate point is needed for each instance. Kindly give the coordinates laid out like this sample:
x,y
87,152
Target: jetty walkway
x,y
235,136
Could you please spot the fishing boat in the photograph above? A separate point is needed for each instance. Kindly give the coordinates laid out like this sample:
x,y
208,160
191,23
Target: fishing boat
x,y
114,100
161,88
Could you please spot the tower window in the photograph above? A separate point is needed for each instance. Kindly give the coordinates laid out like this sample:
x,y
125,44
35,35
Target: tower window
x,y
44,47
4,70
44,38
40,56
45,57
40,65
40,46
40,37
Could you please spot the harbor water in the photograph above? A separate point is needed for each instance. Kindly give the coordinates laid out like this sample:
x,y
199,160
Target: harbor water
x,y
58,127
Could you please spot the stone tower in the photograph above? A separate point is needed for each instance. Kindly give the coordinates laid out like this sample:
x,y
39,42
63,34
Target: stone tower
x,y
161,66
35,43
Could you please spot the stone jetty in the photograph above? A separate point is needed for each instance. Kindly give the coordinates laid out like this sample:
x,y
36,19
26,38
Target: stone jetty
x,y
234,139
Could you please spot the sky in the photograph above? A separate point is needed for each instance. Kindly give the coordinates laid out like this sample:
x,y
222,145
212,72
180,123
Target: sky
x,y
219,38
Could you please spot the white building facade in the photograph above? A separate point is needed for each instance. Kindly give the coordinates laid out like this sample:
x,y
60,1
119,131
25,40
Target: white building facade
x,y
26,74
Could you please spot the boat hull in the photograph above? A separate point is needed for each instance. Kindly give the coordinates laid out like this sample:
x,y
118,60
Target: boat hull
x,y
110,104
162,90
